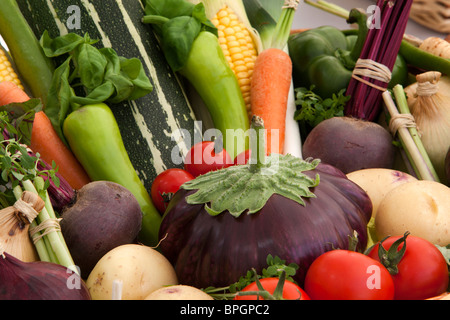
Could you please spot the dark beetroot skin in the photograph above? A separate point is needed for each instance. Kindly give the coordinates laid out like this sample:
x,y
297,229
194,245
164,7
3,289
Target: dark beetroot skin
x,y
216,250
104,216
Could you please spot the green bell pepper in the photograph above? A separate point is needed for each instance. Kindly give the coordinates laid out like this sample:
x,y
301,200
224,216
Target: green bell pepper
x,y
325,57
94,137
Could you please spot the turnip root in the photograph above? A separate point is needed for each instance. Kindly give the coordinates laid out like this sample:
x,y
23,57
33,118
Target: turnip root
x,y
179,292
141,269
421,207
377,183
104,216
350,144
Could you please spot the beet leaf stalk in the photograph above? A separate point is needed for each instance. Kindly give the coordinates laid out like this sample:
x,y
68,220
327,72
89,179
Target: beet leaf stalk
x,y
373,69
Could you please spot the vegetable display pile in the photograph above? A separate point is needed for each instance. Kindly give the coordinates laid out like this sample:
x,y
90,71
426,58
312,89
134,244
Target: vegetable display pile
x,y
205,150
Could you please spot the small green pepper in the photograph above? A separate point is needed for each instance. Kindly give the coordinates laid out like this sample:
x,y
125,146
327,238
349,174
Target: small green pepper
x,y
94,137
208,71
191,47
325,57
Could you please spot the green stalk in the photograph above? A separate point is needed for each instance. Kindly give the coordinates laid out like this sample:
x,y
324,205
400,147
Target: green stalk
x,y
257,159
403,108
60,249
41,248
261,20
283,27
329,7
417,157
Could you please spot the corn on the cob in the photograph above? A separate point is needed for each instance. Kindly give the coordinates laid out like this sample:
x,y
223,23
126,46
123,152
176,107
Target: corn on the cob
x,y
238,46
7,72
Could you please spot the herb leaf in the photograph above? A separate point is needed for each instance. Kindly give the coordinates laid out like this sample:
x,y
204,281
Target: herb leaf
x,y
177,23
99,75
313,109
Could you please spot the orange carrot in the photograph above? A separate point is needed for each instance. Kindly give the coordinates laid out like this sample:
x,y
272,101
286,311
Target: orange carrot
x,y
10,92
49,145
270,85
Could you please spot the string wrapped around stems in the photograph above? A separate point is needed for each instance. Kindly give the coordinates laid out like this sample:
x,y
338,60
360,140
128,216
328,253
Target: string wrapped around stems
x,y
373,69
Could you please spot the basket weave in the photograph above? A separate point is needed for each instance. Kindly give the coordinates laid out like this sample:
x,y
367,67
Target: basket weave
x,y
433,14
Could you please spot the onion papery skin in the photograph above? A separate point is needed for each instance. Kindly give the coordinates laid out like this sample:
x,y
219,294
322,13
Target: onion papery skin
x,y
217,250
38,280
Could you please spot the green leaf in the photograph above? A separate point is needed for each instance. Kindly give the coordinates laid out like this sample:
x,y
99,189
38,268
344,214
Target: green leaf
x,y
91,64
177,23
237,189
60,45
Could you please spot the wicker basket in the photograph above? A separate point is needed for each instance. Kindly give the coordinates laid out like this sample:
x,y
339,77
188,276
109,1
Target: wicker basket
x,y
433,14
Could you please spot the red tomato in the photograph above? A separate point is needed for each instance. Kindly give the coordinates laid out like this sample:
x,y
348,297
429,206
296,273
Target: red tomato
x,y
348,275
422,271
166,184
242,158
202,158
291,291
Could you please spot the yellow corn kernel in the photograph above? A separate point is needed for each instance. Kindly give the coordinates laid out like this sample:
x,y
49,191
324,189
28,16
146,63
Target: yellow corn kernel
x,y
7,72
238,47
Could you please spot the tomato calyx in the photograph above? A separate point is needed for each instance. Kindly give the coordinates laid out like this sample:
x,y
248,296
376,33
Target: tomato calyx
x,y
391,258
263,293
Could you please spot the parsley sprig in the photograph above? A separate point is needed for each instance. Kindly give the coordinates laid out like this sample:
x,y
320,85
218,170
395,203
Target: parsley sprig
x,y
276,268
17,164
313,109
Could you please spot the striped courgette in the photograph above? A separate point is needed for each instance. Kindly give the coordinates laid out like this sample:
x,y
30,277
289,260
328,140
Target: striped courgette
x,y
149,125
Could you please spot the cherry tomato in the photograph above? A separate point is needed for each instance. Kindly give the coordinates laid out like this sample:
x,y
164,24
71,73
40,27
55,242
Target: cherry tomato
x,y
291,291
422,270
202,158
242,158
348,275
166,184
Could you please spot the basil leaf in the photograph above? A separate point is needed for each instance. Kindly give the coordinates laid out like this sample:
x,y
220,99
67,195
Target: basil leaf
x,y
58,99
99,94
178,34
168,8
60,45
134,71
91,65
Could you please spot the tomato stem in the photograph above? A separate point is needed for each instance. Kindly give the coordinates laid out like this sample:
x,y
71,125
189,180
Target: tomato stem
x,y
391,258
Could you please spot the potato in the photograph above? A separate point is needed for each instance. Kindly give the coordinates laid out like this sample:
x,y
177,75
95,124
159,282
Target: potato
x,y
179,292
420,207
377,182
141,269
350,144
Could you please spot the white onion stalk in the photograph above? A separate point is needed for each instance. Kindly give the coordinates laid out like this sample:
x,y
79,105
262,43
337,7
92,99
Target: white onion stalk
x,y
408,135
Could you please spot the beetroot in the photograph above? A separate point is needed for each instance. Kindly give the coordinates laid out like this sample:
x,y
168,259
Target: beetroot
x,y
103,216
350,144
